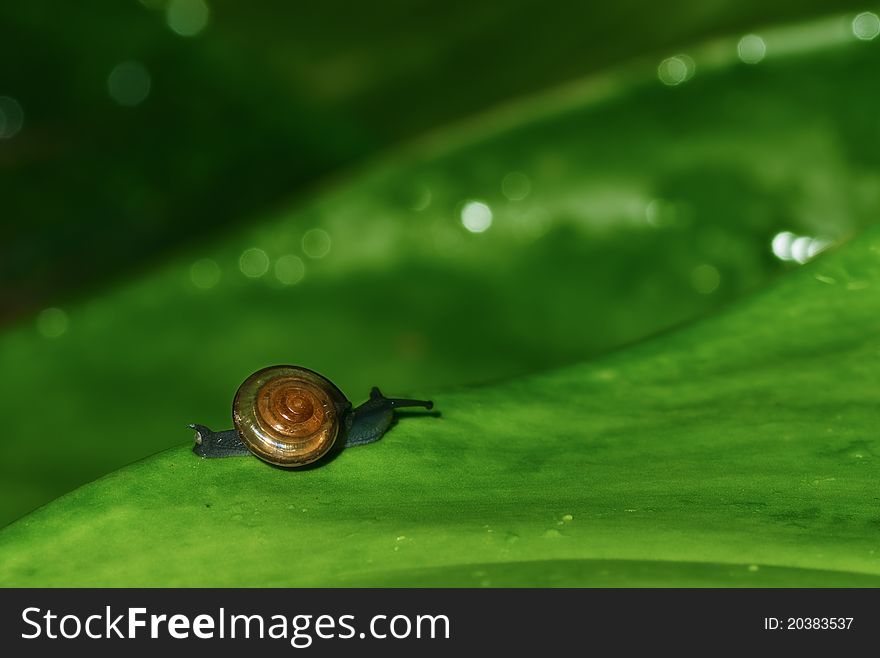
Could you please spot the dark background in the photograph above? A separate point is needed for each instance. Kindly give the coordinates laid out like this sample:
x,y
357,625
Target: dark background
x,y
263,103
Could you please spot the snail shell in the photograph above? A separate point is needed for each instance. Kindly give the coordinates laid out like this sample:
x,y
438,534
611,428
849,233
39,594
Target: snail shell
x,y
289,416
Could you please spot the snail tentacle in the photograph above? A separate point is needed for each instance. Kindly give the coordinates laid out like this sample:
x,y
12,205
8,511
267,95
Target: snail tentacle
x,y
211,444
373,418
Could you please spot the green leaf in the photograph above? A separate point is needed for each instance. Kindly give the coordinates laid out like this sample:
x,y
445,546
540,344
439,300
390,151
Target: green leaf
x,y
647,206
739,451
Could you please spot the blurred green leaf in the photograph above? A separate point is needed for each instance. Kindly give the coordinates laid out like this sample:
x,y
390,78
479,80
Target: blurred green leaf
x,y
739,451
263,102
644,206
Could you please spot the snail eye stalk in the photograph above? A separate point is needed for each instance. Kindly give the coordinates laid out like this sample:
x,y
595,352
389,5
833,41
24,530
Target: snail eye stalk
x,y
373,418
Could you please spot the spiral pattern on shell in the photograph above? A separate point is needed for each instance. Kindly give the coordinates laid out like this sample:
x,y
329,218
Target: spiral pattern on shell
x,y
289,416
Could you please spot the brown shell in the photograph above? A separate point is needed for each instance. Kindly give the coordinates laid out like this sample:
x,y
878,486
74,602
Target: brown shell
x,y
289,416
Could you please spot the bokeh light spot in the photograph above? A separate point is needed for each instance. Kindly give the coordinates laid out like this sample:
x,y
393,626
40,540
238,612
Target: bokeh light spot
x,y
660,213
476,216
781,245
11,117
290,269
316,243
705,279
516,186
866,26
751,49
253,262
52,322
205,273
817,246
799,248
675,70
129,83
187,17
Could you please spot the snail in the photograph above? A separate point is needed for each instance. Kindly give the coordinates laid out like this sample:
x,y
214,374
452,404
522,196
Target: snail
x,y
291,416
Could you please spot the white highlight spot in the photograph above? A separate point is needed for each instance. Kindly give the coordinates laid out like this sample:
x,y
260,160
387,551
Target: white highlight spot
x,y
316,243
290,269
187,17
751,49
476,216
205,273
817,246
866,26
781,245
253,262
52,322
798,248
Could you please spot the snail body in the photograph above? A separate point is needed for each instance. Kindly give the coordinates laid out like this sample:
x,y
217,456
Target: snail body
x,y
291,416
